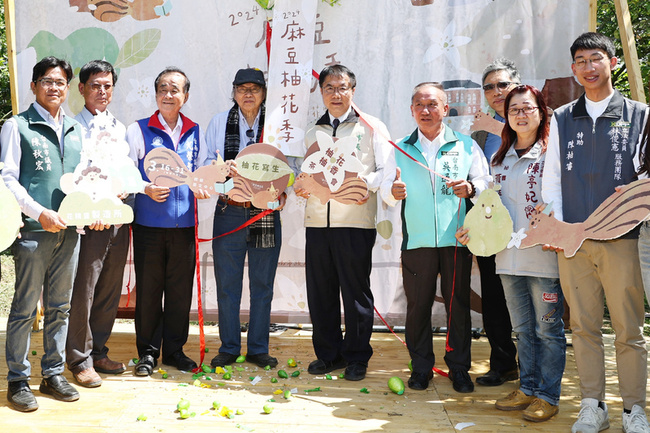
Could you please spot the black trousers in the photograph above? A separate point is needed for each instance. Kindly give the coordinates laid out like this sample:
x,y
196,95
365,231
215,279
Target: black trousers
x,y
496,318
420,270
95,295
164,261
338,263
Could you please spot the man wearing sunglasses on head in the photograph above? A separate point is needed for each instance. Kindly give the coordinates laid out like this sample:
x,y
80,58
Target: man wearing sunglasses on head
x,y
499,78
228,133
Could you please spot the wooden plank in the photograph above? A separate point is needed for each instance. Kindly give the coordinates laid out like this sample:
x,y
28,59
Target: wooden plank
x,y
629,51
10,16
593,15
339,406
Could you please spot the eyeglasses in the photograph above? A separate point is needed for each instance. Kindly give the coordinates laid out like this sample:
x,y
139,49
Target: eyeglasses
x,y
96,87
330,90
502,85
251,135
252,90
594,61
48,83
525,110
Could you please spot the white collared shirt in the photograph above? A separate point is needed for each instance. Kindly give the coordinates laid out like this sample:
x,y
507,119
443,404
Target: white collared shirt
x,y
215,135
136,140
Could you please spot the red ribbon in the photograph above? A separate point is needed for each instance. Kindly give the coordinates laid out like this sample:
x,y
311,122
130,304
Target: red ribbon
x,y
435,369
130,261
198,288
453,286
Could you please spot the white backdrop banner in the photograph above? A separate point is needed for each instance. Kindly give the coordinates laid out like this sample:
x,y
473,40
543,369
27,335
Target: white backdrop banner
x,y
391,45
289,76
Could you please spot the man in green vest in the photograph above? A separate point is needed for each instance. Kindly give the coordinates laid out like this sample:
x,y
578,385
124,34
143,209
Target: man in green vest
x,y
38,146
431,213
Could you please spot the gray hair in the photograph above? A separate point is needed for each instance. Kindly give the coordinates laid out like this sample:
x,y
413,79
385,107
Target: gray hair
x,y
434,84
502,64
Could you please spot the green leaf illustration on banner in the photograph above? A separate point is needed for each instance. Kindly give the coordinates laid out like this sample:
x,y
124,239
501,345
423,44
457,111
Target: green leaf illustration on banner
x,y
138,48
385,228
266,4
80,47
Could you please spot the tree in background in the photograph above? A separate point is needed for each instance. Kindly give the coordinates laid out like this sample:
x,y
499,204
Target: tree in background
x,y
5,90
608,25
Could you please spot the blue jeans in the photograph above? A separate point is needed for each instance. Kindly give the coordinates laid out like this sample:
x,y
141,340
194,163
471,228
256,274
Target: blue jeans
x,y
229,256
47,260
536,307
644,256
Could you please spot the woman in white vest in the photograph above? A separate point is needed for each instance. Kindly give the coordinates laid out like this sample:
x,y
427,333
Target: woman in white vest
x,y
530,276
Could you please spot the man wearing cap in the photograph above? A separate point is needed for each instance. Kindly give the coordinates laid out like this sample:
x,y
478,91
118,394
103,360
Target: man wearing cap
x,y
227,134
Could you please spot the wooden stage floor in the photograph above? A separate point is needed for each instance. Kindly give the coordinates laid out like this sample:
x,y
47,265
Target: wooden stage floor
x,y
339,406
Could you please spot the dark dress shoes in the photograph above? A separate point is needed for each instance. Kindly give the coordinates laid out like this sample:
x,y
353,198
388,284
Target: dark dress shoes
x,y
58,387
145,365
495,378
355,371
262,360
181,361
21,396
321,367
420,381
461,381
223,359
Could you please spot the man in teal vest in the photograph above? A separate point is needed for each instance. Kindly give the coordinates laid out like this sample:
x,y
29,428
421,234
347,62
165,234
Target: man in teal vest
x,y
38,146
431,214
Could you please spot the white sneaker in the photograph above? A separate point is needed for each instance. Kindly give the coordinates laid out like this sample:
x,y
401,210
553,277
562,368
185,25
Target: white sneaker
x,y
591,418
635,421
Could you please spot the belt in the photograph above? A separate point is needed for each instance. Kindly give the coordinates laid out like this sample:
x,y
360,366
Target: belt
x,y
235,203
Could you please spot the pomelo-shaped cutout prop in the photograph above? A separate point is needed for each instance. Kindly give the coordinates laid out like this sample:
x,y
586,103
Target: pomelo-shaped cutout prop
x,y
489,224
10,216
78,209
616,216
263,174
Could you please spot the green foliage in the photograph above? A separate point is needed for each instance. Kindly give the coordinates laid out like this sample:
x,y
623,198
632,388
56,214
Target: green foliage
x,y
608,25
5,89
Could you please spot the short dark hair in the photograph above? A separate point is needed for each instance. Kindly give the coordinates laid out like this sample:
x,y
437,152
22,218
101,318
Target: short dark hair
x,y
96,67
593,41
48,63
502,64
337,71
171,70
434,84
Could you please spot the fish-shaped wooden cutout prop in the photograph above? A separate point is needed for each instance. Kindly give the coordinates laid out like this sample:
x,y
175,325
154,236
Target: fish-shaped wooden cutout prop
x,y
165,168
330,170
263,174
616,216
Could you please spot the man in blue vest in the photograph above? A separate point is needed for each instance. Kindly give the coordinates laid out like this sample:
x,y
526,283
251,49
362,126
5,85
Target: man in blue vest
x,y
38,146
431,214
163,231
